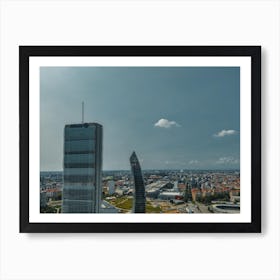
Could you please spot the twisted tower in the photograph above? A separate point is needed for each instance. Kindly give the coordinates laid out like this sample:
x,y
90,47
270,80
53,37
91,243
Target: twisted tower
x,y
139,202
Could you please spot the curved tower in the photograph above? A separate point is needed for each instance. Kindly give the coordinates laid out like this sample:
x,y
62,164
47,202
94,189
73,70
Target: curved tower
x,y
139,201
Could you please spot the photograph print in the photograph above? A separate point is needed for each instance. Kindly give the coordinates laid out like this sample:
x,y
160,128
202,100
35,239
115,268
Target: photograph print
x,y
140,139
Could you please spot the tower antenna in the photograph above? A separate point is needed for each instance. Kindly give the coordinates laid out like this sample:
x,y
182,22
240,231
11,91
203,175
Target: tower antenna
x,y
83,112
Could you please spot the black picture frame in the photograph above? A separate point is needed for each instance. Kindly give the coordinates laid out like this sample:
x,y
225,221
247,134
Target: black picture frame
x,y
254,52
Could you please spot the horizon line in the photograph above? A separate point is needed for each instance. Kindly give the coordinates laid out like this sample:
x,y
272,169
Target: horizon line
x,y
161,169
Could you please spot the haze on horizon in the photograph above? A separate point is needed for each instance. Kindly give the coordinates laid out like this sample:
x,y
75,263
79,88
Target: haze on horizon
x,y
173,117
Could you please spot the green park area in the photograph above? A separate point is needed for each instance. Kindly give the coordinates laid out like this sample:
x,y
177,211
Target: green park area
x,y
123,203
126,203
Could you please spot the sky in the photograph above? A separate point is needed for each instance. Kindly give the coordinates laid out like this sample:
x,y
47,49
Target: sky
x,y
172,117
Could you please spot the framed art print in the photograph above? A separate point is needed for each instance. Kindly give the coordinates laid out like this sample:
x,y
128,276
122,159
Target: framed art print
x,y
140,138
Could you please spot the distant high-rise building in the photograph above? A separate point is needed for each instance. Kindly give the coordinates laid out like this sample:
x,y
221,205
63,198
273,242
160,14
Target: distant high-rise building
x,y
139,201
111,187
82,190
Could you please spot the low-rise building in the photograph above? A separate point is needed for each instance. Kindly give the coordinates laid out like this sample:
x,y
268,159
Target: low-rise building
x,y
152,193
170,195
196,193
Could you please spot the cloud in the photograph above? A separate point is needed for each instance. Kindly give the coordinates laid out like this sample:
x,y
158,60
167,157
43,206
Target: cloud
x,y
225,132
227,160
164,123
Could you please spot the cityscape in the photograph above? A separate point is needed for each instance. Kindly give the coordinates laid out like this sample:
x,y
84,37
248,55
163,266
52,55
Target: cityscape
x,y
135,161
82,187
167,191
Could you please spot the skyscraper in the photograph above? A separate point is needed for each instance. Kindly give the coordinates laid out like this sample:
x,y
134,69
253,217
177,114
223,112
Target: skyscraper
x,y
139,201
82,190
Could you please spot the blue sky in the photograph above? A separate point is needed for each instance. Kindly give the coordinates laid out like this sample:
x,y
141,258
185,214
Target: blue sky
x,y
173,117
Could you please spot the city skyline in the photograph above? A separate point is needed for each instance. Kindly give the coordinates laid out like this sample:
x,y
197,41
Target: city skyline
x,y
176,117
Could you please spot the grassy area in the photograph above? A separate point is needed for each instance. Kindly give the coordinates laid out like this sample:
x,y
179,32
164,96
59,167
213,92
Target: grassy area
x,y
127,204
152,209
122,202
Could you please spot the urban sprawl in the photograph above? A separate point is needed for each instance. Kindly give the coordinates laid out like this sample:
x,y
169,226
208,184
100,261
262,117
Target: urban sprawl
x,y
167,191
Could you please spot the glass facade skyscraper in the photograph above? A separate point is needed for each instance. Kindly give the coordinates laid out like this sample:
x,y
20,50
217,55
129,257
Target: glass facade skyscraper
x,y
139,201
82,189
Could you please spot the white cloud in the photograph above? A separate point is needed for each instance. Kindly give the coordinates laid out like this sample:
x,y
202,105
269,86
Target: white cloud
x,y
225,132
166,123
227,160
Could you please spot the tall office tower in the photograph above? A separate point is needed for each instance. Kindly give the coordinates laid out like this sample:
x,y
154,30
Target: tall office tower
x,y
82,189
139,201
